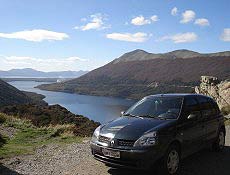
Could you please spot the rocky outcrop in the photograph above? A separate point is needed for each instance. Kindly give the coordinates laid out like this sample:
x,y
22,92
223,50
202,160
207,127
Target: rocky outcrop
x,y
211,86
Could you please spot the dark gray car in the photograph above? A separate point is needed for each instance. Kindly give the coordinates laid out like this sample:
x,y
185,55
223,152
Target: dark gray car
x,y
159,131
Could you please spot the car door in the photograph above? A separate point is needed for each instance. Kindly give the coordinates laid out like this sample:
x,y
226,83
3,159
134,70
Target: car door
x,y
192,131
210,115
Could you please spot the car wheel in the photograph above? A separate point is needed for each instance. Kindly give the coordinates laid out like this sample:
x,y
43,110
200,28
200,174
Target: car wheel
x,y
170,163
218,145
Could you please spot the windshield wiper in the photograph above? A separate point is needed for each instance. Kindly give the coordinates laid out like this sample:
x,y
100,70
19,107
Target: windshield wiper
x,y
150,116
131,115
127,114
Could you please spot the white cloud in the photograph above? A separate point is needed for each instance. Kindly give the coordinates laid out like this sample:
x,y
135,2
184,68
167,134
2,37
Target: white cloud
x,y
202,22
96,22
154,18
135,37
174,11
36,35
181,37
140,20
225,36
75,59
188,16
49,64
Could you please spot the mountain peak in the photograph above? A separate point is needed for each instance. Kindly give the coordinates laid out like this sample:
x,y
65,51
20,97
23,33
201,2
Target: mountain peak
x,y
183,53
134,55
138,51
141,55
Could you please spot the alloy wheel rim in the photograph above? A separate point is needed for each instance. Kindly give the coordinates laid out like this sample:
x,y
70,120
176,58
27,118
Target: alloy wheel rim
x,y
221,140
173,162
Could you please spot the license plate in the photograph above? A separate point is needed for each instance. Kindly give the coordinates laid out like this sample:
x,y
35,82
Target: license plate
x,y
111,153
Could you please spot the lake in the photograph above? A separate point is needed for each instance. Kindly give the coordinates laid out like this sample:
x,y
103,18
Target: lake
x,y
101,109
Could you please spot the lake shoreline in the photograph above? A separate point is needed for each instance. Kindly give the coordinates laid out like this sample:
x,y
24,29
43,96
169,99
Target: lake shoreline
x,y
98,108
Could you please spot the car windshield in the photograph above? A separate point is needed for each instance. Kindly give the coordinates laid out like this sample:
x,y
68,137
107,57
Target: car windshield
x,y
160,107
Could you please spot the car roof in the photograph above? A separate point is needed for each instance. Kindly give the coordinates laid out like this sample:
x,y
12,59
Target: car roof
x,y
176,95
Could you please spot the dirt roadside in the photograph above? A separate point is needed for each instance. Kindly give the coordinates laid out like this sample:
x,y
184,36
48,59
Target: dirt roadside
x,y
76,159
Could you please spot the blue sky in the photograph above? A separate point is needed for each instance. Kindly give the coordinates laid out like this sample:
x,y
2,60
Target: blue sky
x,y
82,35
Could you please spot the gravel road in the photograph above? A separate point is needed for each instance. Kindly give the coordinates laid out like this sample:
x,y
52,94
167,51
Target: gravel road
x,y
76,159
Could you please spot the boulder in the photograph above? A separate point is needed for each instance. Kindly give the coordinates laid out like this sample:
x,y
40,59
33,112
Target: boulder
x,y
212,87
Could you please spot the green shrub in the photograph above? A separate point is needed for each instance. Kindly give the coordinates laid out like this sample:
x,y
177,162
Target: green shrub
x,y
44,116
2,118
2,140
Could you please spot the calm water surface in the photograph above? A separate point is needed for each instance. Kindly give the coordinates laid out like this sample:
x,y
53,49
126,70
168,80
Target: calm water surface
x,y
102,109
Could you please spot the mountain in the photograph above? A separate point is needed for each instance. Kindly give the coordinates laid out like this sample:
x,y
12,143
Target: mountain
x,y
10,95
28,72
140,55
139,73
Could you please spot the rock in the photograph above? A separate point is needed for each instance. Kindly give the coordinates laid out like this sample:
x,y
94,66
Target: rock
x,y
227,116
7,131
212,87
15,161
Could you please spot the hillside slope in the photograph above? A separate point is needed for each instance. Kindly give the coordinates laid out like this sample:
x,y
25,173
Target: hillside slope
x,y
140,73
10,95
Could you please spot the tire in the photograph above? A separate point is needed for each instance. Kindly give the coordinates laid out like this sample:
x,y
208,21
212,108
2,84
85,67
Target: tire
x,y
170,163
218,145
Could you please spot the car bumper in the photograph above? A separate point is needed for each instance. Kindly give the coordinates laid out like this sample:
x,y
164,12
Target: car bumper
x,y
129,158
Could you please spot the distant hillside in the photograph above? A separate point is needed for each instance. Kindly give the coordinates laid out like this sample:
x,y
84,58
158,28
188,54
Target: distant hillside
x,y
27,72
140,73
10,95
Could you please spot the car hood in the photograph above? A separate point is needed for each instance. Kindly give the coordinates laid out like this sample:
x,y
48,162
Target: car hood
x,y
131,128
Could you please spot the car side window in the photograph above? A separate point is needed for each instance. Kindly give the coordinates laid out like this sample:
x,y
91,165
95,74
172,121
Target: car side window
x,y
214,107
191,106
207,108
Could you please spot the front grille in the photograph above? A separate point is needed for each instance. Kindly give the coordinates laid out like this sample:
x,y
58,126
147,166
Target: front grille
x,y
118,142
104,139
128,143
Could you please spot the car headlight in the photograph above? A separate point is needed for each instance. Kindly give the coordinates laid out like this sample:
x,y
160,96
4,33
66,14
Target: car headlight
x,y
147,139
96,133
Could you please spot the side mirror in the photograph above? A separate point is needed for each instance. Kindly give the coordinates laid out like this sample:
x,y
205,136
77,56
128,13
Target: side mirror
x,y
122,112
192,116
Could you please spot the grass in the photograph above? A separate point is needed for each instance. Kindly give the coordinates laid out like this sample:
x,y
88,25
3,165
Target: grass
x,y
28,137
